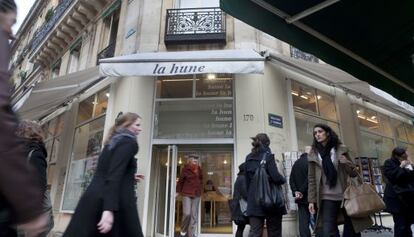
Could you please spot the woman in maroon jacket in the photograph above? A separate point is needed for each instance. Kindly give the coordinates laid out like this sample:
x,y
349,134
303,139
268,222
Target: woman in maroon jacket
x,y
190,186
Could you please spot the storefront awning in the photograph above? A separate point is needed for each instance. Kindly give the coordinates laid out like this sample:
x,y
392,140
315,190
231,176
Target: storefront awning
x,y
372,40
184,62
47,96
335,77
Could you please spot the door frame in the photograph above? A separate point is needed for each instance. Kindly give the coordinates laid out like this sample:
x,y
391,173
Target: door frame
x,y
172,160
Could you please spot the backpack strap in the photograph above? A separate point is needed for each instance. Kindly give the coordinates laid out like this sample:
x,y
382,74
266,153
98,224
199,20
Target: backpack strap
x,y
263,161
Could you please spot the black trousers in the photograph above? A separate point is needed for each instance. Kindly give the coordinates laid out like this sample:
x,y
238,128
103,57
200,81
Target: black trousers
x,y
273,225
402,224
304,217
330,211
240,229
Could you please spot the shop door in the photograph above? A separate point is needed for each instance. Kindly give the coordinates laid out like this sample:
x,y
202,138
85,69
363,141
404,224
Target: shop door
x,y
213,213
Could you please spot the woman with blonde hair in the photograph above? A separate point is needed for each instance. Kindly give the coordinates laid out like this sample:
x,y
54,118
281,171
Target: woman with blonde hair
x,y
108,206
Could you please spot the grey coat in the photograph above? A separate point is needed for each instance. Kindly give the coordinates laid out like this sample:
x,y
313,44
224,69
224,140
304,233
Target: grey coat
x,y
314,187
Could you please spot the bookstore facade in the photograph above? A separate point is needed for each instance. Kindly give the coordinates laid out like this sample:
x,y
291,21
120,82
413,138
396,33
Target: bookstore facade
x,y
213,115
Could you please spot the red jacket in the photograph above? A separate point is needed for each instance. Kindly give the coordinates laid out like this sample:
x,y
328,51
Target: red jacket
x,y
190,183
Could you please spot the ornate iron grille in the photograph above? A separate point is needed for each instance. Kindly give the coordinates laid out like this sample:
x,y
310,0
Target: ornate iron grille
x,y
46,27
106,52
195,24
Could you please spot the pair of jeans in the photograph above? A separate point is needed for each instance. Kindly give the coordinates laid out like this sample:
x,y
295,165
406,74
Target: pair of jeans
x,y
330,211
402,224
273,226
190,215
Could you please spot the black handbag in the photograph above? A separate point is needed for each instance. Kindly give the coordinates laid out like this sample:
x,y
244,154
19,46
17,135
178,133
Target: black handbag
x,y
268,195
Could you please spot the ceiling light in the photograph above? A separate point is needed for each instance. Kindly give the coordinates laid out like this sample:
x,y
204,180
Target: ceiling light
x,y
295,93
180,161
107,95
373,117
319,97
304,97
358,111
211,76
225,162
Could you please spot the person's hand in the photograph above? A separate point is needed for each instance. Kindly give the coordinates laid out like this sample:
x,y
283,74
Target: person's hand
x,y
404,163
344,160
106,222
298,195
36,226
312,208
139,177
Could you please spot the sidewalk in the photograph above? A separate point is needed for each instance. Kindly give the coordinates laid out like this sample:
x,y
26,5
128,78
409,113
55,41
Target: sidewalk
x,y
380,234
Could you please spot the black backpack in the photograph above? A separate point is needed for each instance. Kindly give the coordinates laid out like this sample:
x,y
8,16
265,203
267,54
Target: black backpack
x,y
268,195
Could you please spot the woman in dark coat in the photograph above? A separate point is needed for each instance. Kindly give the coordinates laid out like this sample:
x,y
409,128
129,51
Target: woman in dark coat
x,y
240,193
32,134
399,191
108,206
257,215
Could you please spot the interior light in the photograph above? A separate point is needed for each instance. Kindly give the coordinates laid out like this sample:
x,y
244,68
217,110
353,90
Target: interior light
x,y
211,76
358,111
372,121
180,161
373,117
295,93
107,95
304,97
210,173
319,97
94,102
225,162
361,116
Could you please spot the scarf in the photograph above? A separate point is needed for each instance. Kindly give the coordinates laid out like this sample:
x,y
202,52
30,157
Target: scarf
x,y
118,135
327,165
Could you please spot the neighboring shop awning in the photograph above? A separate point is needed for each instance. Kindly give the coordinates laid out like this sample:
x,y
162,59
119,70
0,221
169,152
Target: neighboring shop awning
x,y
372,40
183,62
338,78
47,96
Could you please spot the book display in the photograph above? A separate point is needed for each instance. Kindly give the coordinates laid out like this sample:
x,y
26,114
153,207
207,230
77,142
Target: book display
x,y
370,171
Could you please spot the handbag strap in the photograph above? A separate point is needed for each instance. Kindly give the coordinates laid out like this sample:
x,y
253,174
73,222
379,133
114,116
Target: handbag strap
x,y
355,181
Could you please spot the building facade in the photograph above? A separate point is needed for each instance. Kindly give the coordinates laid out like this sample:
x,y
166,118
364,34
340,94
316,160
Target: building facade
x,y
55,71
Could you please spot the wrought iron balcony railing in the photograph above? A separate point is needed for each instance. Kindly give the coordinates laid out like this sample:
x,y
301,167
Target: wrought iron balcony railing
x,y
106,52
195,25
47,26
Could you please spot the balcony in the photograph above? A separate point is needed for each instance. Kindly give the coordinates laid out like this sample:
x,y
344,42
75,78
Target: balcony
x,y
195,25
108,52
64,27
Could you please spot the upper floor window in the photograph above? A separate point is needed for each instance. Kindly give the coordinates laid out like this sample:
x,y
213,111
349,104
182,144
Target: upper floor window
x,y
312,100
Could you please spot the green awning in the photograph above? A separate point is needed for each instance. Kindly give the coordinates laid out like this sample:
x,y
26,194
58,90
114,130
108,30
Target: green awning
x,y
372,40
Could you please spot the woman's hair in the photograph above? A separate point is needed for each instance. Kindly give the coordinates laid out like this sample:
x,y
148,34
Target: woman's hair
x,y
398,152
260,140
8,6
333,139
30,130
122,121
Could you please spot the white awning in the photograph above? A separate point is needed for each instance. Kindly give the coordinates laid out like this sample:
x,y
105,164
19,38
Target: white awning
x,y
47,96
238,61
336,77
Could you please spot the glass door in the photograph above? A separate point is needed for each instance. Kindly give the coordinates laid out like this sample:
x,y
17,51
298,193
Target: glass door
x,y
213,213
165,173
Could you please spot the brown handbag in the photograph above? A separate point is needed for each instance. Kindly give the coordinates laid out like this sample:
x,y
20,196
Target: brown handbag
x,y
361,199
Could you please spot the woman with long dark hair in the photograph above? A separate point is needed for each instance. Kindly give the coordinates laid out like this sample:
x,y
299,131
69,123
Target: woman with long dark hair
x,y
256,213
399,191
330,165
108,206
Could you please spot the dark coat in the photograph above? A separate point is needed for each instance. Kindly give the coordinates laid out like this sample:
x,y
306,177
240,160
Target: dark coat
x,y
190,184
240,189
19,190
402,178
111,189
252,163
299,178
38,160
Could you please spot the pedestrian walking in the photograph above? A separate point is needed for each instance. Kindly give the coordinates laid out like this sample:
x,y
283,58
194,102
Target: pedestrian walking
x,y
20,193
240,195
256,213
33,136
190,186
399,191
108,206
329,167
299,185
